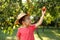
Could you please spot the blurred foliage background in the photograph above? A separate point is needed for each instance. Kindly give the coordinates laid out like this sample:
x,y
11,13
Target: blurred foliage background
x,y
9,9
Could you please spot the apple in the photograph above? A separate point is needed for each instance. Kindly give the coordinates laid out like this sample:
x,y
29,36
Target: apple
x,y
44,8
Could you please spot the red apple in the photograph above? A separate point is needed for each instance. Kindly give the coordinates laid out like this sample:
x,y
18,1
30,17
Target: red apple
x,y
44,8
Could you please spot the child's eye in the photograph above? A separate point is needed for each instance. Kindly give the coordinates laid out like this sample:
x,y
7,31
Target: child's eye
x,y
29,18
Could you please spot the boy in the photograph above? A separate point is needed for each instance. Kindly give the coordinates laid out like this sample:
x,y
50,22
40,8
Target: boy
x,y
26,31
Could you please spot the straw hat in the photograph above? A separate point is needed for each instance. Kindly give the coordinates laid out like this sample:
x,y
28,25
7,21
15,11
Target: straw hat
x,y
19,17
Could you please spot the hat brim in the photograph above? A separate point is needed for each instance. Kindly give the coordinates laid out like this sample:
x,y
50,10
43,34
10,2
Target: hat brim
x,y
17,20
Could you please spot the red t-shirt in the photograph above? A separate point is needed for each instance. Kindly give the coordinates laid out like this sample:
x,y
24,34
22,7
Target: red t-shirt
x,y
26,33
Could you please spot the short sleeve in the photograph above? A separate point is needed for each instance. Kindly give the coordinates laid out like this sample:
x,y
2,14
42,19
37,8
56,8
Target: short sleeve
x,y
33,26
18,33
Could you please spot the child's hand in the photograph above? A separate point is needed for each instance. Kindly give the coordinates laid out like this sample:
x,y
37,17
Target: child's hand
x,y
43,10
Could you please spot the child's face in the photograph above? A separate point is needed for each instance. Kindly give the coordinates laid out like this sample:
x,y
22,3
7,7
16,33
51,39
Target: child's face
x,y
27,20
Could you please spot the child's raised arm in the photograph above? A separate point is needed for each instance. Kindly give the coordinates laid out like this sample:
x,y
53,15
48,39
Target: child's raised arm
x,y
42,17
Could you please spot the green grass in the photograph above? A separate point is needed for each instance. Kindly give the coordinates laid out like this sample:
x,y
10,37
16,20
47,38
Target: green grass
x,y
48,34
